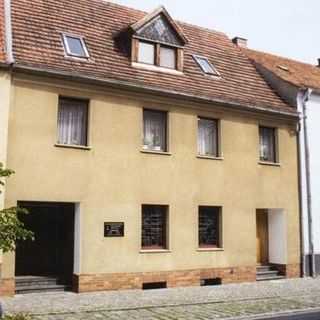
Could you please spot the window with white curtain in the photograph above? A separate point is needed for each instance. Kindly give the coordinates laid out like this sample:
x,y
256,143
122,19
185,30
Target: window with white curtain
x,y
154,130
267,144
208,137
168,57
146,53
72,121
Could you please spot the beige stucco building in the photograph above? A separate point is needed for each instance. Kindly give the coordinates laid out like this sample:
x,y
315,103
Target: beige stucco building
x,y
175,210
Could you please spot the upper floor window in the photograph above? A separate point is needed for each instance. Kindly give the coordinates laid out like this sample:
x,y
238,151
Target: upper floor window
x,y
268,144
75,46
154,130
72,121
146,53
168,57
156,54
206,66
209,227
208,137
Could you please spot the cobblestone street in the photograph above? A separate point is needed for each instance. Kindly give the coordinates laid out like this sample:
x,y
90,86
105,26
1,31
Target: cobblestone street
x,y
224,302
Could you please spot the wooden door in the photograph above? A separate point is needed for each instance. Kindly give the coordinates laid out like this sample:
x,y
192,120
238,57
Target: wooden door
x,y
262,238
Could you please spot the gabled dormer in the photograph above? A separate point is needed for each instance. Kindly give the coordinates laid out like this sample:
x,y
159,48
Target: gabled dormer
x,y
158,42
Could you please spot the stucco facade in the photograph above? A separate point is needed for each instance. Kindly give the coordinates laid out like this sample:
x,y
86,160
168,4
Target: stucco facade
x,y
114,177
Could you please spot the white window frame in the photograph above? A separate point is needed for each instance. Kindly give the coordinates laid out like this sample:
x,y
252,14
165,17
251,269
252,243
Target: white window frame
x,y
67,48
215,71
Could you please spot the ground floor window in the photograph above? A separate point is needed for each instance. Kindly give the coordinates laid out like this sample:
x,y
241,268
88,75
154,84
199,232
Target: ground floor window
x,y
209,227
154,226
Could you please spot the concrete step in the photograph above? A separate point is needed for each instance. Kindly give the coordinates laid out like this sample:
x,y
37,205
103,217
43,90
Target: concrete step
x,y
268,273
38,288
264,268
32,284
31,281
268,278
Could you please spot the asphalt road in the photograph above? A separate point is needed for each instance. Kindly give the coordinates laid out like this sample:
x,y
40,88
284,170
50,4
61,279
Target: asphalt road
x,y
301,316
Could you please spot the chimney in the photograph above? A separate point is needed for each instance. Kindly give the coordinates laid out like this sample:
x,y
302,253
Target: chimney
x,y
240,42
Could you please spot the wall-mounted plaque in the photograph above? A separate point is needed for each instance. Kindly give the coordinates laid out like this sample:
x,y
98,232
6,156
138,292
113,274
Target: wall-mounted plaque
x,y
114,229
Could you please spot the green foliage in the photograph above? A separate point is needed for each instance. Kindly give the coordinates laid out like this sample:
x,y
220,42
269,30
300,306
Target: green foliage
x,y
19,316
11,228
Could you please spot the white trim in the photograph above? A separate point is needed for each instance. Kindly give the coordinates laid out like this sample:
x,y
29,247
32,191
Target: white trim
x,y
155,251
67,50
8,31
199,156
77,240
151,67
72,146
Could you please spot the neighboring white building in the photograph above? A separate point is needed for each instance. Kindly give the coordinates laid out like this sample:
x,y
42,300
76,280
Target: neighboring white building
x,y
299,84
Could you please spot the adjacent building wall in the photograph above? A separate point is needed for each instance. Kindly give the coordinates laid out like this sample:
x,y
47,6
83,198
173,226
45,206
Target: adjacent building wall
x,y
113,179
313,131
5,96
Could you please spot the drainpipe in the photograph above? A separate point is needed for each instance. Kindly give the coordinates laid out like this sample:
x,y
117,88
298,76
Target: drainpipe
x,y
305,99
300,176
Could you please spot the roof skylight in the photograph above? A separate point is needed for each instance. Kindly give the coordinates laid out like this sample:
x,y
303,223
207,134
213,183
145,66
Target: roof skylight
x,y
206,66
75,46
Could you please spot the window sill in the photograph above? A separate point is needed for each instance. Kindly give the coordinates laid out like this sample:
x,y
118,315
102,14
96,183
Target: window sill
x,y
151,67
272,164
155,251
156,152
209,249
199,156
71,146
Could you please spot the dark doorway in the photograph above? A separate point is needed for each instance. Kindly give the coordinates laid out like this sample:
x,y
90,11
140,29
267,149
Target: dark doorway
x,y
51,253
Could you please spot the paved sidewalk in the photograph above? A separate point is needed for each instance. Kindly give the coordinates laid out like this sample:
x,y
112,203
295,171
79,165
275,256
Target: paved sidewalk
x,y
222,302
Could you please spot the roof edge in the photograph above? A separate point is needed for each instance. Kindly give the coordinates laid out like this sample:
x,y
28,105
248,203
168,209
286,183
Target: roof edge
x,y
153,90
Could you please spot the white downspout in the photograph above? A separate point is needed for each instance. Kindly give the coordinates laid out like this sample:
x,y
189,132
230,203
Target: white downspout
x,y
305,99
8,31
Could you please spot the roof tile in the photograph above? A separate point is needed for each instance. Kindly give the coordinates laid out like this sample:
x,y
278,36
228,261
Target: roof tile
x,y
37,28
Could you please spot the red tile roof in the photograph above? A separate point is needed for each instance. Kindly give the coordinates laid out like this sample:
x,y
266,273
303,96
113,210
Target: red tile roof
x,y
37,28
301,75
2,34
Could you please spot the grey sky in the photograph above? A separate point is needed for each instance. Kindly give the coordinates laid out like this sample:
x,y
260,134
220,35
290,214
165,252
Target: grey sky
x,y
285,27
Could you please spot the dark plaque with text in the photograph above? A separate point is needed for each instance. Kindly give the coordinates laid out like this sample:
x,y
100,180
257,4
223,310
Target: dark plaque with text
x,y
113,229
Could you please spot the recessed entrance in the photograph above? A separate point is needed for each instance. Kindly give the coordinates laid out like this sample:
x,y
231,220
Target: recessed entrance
x,y
51,254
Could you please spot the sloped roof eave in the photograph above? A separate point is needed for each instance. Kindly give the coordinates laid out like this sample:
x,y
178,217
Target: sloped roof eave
x,y
149,89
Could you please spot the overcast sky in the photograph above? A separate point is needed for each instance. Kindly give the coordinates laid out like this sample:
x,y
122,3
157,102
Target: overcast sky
x,y
286,27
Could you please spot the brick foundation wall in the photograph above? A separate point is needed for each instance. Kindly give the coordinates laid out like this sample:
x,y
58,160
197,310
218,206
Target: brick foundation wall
x,y
123,281
289,270
7,287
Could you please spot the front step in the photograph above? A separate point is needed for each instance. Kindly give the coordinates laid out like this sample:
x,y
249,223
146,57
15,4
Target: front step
x,y
266,273
31,284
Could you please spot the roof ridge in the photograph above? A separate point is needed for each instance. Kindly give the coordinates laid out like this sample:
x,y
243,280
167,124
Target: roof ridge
x,y
176,20
122,6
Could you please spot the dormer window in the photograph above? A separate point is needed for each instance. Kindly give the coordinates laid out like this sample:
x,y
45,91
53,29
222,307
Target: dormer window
x,y
146,53
157,54
158,41
168,57
206,66
75,46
